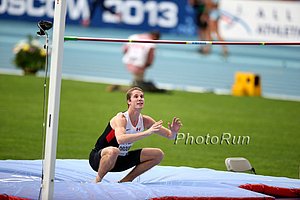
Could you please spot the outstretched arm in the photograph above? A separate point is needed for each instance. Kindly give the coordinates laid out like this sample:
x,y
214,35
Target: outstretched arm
x,y
169,132
118,123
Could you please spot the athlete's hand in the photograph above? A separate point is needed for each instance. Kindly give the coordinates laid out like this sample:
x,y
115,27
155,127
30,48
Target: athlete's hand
x,y
156,126
174,126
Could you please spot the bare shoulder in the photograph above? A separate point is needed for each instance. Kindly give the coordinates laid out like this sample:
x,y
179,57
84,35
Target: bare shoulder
x,y
118,120
148,121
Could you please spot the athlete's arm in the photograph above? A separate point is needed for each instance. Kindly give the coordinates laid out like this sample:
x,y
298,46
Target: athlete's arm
x,y
163,131
118,123
150,57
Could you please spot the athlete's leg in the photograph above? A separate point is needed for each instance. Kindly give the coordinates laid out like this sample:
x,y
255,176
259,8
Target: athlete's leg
x,y
149,158
138,77
108,159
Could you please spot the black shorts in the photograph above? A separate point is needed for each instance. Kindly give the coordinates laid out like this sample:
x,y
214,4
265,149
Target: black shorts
x,y
123,162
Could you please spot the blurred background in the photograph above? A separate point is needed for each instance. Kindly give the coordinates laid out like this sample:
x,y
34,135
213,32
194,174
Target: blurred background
x,y
182,67
193,71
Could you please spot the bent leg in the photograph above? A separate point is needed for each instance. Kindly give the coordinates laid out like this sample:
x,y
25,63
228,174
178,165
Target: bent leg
x,y
108,159
149,158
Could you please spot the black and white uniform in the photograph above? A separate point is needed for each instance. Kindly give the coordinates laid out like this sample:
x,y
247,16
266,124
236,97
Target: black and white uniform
x,y
126,158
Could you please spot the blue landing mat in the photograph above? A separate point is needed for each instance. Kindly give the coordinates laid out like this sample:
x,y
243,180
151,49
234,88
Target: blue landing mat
x,y
74,180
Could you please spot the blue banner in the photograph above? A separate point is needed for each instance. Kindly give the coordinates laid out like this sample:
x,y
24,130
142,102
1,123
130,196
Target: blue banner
x,y
174,16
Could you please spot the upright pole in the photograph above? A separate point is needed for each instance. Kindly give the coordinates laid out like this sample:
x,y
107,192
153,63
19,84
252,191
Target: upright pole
x,y
54,99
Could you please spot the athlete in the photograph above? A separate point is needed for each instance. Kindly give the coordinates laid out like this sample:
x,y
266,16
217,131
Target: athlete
x,y
214,18
111,152
202,20
138,57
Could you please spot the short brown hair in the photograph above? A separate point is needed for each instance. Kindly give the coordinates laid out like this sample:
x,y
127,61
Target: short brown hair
x,y
129,92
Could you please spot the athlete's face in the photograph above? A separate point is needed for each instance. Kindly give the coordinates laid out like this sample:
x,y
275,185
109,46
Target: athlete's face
x,y
137,99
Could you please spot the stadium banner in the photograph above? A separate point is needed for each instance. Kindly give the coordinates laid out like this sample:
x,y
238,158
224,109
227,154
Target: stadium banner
x,y
163,15
240,19
260,20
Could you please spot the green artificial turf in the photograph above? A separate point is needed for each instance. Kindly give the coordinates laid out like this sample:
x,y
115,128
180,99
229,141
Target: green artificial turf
x,y
272,125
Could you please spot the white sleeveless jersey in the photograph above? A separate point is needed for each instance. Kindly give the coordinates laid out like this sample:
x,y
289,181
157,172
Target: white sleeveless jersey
x,y
130,129
137,53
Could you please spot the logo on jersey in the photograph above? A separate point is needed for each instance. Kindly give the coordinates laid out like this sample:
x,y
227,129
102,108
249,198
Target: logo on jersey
x,y
138,129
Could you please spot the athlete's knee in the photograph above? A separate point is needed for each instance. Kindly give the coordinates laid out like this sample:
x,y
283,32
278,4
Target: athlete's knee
x,y
111,152
159,154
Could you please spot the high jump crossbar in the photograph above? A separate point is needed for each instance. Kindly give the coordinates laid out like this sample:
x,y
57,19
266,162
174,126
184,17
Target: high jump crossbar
x,y
76,38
